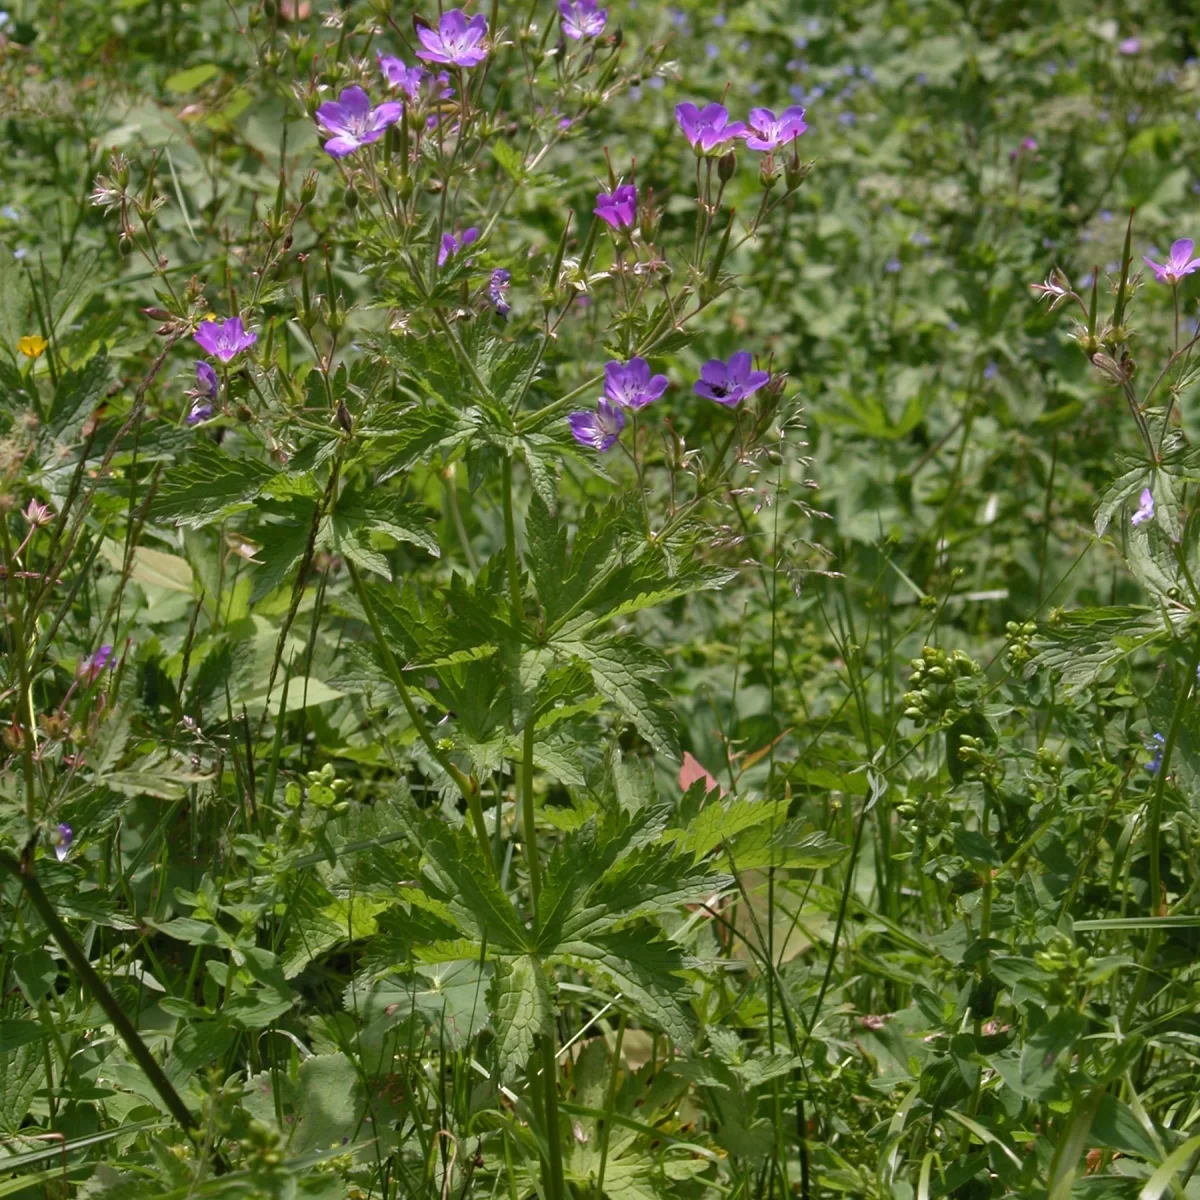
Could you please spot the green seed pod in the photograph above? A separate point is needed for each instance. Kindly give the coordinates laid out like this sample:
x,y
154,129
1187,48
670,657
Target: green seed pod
x,y
350,197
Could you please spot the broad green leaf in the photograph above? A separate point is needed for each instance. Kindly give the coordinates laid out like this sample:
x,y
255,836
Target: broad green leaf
x,y
521,1001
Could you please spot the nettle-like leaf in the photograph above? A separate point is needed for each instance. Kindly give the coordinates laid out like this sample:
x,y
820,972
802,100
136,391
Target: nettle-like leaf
x,y
77,394
623,671
209,487
523,1011
1083,644
643,967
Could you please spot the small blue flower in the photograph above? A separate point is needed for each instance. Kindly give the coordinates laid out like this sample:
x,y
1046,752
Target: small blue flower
x,y
719,20
846,118
1106,213
712,49
816,93
892,266
1155,763
991,371
801,43
797,93
919,237
8,212
921,79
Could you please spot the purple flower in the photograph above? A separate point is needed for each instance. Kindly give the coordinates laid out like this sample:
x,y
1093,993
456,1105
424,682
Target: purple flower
x,y
456,41
204,395
729,383
353,122
582,19
61,842
93,666
1129,46
451,245
893,266
1145,510
708,129
619,208
1179,263
768,131
991,371
919,237
224,339
631,385
397,75
1155,763
598,430
498,291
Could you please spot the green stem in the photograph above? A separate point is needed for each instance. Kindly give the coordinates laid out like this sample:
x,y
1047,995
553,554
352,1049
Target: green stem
x,y
528,822
609,1106
1154,833
468,787
28,746
510,546
23,874
555,1188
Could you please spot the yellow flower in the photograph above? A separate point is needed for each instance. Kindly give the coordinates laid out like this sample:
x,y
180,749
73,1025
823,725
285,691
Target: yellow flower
x,y
32,345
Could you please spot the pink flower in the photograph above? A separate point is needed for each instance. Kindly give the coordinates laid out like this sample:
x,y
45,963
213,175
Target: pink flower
x,y
708,129
224,339
1179,263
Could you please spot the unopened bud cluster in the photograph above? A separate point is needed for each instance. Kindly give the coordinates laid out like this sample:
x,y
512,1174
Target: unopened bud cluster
x,y
941,684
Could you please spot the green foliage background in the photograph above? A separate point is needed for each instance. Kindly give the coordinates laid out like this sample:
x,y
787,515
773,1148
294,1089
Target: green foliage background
x,y
384,879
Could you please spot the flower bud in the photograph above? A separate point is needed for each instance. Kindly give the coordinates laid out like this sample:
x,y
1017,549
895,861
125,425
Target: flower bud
x,y
125,245
308,189
768,174
350,197
726,165
795,173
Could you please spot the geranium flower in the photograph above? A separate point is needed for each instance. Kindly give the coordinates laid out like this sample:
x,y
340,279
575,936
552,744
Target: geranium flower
x,y
456,41
708,129
1156,746
451,245
94,665
397,75
1179,263
353,122
204,395
414,80
618,208
731,382
1145,511
599,430
631,385
582,19
768,132
62,843
498,291
224,339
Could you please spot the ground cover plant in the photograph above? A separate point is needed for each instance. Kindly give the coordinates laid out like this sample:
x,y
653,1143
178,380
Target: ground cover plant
x,y
599,600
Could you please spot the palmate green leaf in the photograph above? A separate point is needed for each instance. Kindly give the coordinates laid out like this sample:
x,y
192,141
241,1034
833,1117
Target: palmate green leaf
x,y
210,486
323,1105
719,822
458,876
644,970
450,997
789,845
523,1011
